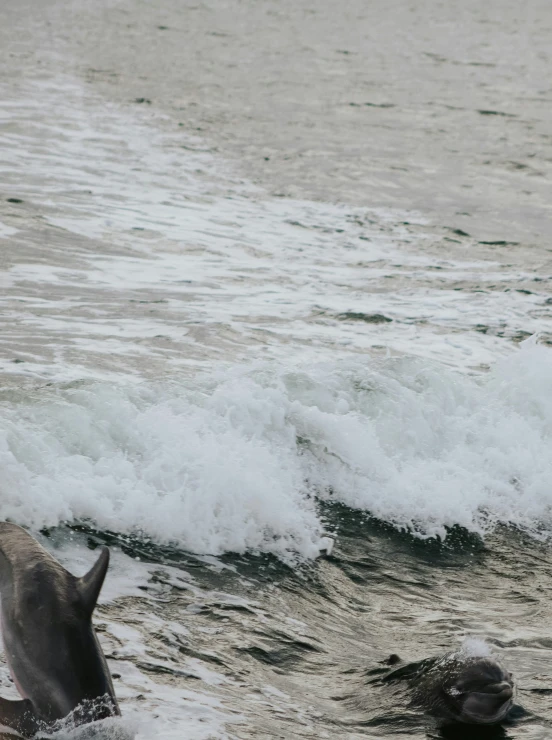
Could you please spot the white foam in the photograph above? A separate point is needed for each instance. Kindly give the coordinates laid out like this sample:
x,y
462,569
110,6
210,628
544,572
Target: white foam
x,y
174,468
6,230
232,462
225,269
475,647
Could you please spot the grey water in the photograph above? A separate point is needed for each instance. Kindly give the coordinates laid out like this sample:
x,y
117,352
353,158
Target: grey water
x,y
275,291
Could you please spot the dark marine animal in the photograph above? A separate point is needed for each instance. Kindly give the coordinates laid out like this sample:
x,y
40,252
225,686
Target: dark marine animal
x,y
50,644
459,688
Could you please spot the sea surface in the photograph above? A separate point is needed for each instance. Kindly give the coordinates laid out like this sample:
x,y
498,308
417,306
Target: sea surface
x,y
276,305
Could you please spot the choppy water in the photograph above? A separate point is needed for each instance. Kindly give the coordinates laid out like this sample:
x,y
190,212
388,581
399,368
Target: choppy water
x,y
220,382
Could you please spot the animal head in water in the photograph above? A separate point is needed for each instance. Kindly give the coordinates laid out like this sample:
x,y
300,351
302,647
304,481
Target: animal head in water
x,y
478,691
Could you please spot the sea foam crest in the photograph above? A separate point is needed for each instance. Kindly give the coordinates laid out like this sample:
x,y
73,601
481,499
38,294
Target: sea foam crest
x,y
475,647
238,461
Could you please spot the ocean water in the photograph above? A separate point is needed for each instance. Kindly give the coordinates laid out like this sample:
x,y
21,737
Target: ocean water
x,y
314,427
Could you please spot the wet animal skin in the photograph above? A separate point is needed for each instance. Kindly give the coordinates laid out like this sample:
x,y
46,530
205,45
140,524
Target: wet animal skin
x,y
51,647
459,688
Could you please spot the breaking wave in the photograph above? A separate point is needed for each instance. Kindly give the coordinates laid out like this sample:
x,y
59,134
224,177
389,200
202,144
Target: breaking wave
x,y
239,461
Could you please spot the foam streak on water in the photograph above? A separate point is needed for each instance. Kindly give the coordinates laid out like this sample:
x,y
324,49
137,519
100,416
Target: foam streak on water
x,y
136,251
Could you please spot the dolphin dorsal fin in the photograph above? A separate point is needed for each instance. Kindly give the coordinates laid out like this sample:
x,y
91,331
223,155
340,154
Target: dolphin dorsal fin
x,y
91,584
